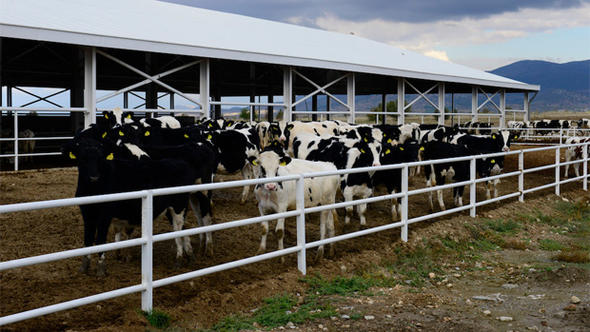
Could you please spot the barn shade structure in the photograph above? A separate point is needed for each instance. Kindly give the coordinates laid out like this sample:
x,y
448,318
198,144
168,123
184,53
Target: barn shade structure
x,y
193,57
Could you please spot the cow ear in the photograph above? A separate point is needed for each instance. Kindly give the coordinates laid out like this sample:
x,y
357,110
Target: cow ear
x,y
284,161
290,126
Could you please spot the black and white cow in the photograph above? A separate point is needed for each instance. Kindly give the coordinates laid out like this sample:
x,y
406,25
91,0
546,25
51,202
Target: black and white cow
x,y
344,154
392,154
574,153
457,171
279,196
105,169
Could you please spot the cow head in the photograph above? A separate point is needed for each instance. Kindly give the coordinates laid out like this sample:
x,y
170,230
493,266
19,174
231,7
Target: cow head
x,y
268,165
91,157
369,154
503,139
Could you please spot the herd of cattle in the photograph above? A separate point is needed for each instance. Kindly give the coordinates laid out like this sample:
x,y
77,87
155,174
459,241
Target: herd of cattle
x,y
121,154
546,127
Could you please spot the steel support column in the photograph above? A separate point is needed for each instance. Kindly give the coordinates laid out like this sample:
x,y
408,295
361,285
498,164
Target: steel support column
x,y
90,86
351,94
288,93
503,109
204,92
401,96
441,103
474,104
526,107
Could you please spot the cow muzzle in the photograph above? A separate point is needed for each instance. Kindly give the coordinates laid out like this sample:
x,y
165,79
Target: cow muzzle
x,y
94,178
271,186
506,149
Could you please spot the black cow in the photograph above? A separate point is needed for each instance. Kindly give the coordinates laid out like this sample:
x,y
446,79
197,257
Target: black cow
x,y
106,168
392,179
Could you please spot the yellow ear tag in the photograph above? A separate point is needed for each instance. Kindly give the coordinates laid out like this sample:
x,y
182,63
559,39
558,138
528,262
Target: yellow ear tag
x,y
210,125
401,149
389,140
254,162
515,137
209,136
110,156
147,133
283,163
362,151
421,148
387,151
72,156
384,135
121,133
128,116
104,135
494,136
492,161
106,116
365,139
186,136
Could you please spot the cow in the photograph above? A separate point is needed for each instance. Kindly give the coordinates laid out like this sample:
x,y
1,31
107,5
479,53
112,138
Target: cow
x,y
395,154
106,168
497,142
277,197
235,149
458,171
574,153
344,154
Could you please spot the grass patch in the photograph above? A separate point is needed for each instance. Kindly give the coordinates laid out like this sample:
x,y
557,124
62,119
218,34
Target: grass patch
x,y
340,285
513,243
277,311
573,256
503,226
414,265
157,318
550,245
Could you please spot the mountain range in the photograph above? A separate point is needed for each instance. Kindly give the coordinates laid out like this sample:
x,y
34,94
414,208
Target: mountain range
x,y
564,86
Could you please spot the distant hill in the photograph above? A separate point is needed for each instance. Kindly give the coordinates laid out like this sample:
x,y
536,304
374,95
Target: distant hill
x,y
563,86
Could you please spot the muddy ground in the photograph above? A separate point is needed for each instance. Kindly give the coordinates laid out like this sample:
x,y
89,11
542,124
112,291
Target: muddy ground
x,y
199,303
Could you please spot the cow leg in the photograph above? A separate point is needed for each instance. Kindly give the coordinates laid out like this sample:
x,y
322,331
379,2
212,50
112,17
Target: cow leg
x,y
200,204
394,207
567,159
429,184
264,225
439,193
280,232
177,224
496,181
320,252
247,173
576,169
331,232
488,195
89,235
348,196
101,238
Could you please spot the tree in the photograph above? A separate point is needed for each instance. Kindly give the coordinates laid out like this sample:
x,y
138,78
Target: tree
x,y
245,114
391,106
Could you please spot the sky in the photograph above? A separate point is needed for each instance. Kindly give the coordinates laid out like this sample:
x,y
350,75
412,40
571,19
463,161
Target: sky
x,y
483,35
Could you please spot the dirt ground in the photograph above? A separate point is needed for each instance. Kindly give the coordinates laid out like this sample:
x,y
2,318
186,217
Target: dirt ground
x,y
201,302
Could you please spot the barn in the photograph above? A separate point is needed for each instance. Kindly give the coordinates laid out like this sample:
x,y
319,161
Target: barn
x,y
75,59
157,57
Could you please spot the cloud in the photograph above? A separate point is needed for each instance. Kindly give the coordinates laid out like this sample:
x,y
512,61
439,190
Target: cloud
x,y
354,10
428,36
441,55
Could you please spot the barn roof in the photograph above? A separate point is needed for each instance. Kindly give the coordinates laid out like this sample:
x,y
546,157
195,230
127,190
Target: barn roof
x,y
163,27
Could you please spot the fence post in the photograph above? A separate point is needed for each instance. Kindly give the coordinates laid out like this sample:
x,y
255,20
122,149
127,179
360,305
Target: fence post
x,y
472,188
557,170
560,135
521,175
585,164
15,140
147,251
404,216
300,205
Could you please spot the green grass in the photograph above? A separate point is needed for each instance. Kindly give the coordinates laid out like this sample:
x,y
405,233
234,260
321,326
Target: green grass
x,y
278,311
550,245
341,285
157,318
503,226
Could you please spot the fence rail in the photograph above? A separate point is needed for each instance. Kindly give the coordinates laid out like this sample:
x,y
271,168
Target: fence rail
x,y
147,239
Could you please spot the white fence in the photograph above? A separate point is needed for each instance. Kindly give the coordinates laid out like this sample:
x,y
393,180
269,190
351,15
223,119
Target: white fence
x,y
147,239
